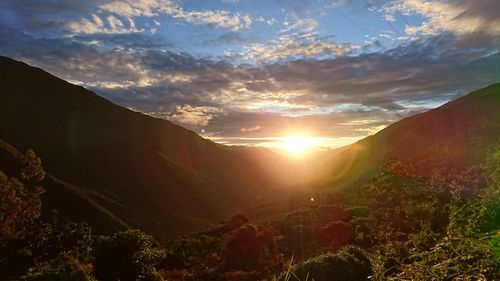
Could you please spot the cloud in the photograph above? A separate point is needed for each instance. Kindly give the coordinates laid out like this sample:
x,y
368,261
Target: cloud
x,y
418,71
129,10
270,125
455,16
136,41
110,25
231,1
226,38
304,25
288,47
271,21
192,116
42,15
301,80
295,40
251,129
108,17
338,3
146,8
223,19
390,85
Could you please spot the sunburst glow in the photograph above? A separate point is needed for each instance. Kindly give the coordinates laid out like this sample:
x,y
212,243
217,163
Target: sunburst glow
x,y
297,144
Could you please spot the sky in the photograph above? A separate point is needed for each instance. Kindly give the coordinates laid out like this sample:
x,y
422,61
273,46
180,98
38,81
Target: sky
x,y
253,72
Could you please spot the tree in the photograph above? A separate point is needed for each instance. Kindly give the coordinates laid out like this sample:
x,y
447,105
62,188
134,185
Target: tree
x,y
48,241
32,172
127,256
243,248
20,201
234,223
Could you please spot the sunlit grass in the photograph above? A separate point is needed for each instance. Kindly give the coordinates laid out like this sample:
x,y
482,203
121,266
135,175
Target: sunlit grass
x,y
288,275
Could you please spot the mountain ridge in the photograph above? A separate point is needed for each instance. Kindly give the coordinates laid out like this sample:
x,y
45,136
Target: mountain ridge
x,y
162,172
411,137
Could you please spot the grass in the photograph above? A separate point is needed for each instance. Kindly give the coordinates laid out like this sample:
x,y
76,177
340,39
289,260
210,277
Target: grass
x,y
289,274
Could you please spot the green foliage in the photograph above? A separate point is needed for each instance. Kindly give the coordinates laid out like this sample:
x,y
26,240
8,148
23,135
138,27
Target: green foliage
x,y
287,275
20,201
19,205
32,170
46,241
415,228
473,217
44,247
469,250
234,223
363,232
127,256
399,204
334,235
359,211
196,250
65,268
298,231
243,248
494,243
350,263
460,258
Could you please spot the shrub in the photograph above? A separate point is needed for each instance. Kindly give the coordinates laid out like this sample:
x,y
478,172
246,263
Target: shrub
x,y
336,234
65,268
45,241
243,248
20,201
350,263
127,256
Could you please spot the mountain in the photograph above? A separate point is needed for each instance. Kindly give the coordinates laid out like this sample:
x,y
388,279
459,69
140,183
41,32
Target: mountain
x,y
452,137
80,204
145,172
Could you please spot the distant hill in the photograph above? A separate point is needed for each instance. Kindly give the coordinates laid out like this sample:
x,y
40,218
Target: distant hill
x,y
451,137
146,172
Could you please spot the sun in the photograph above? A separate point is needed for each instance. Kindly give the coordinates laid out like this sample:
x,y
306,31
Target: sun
x,y
297,144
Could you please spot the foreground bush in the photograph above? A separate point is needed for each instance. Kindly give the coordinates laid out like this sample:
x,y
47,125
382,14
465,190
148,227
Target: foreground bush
x,y
127,256
20,201
65,268
350,263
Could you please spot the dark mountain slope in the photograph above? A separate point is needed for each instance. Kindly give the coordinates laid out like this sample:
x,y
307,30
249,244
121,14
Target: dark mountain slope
x,y
80,204
166,178
454,136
